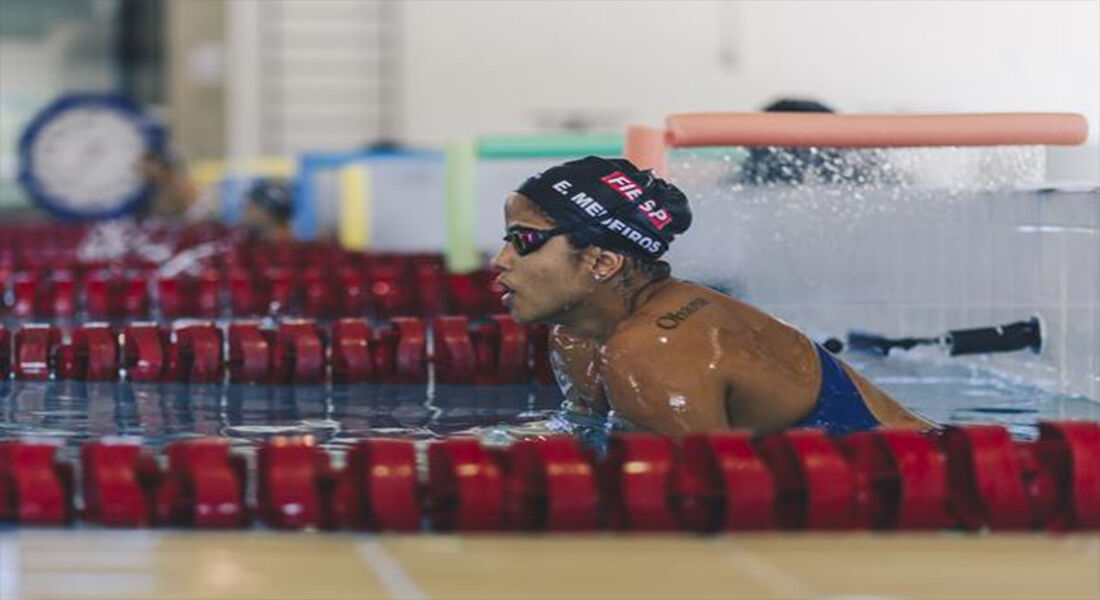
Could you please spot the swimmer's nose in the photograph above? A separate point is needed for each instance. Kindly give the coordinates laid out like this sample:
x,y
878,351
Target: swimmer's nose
x,y
497,263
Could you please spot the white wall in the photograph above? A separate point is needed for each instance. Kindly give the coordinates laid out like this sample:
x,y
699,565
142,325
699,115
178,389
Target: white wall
x,y
475,67
952,243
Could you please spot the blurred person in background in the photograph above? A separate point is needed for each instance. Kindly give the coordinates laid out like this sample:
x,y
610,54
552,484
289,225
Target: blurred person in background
x,y
787,165
174,194
269,208
796,166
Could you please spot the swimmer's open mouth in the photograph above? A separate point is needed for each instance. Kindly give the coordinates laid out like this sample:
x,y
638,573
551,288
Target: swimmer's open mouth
x,y
507,292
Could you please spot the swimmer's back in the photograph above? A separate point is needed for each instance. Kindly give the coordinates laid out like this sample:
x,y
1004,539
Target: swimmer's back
x,y
760,372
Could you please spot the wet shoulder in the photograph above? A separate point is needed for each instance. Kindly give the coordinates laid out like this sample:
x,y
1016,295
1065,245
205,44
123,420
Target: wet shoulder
x,y
685,317
679,310
682,304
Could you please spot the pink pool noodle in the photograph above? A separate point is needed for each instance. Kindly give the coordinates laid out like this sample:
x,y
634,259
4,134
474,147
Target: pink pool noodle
x,y
874,131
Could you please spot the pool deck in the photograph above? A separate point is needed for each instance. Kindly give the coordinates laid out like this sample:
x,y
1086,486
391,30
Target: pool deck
x,y
154,565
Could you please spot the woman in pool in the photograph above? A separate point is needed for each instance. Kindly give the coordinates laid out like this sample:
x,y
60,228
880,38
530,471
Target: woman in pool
x,y
649,351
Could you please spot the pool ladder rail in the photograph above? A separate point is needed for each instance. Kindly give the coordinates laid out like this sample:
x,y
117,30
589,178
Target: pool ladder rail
x,y
971,478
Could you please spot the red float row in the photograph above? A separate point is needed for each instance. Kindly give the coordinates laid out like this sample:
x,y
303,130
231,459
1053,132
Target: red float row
x,y
969,477
493,351
26,243
409,286
39,246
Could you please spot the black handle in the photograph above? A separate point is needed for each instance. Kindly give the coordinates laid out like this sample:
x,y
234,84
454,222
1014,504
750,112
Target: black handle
x,y
1005,338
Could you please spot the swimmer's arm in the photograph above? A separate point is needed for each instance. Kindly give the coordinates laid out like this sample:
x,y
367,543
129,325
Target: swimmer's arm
x,y
574,361
664,397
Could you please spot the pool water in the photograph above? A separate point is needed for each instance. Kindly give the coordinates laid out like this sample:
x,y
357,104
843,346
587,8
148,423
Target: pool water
x,y
337,416
962,393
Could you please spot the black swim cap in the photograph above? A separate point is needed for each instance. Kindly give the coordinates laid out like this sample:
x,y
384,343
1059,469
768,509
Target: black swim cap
x,y
274,196
612,204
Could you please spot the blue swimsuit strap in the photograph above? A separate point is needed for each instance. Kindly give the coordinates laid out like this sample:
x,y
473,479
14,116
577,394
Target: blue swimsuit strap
x,y
840,408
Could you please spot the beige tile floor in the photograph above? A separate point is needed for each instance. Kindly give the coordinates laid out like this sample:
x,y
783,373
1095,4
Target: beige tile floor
x,y
117,565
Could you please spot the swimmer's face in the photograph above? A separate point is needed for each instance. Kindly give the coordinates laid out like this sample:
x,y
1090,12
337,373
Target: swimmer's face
x,y
545,284
262,223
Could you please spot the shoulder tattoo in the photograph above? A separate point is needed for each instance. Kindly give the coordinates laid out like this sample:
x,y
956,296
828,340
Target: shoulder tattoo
x,y
672,320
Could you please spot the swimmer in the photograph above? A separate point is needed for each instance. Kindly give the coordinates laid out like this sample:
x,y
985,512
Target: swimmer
x,y
269,208
648,351
174,193
771,166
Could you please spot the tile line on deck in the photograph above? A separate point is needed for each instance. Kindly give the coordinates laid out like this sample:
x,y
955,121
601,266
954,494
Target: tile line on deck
x,y
9,565
397,582
781,583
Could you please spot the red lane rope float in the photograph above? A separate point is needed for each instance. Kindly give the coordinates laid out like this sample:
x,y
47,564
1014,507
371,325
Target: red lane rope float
x,y
145,352
208,287
204,486
251,353
95,348
378,490
722,484
466,296
199,354
175,295
493,352
901,480
134,295
245,296
430,285
814,483
388,290
114,491
352,299
885,479
35,489
299,356
61,297
5,353
635,477
281,288
65,363
351,354
504,346
25,292
453,350
1040,485
319,300
1070,451
552,486
484,341
466,488
400,351
100,295
297,351
35,347
986,480
476,293
400,286
293,475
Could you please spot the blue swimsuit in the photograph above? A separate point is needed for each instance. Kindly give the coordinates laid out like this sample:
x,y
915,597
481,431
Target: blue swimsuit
x,y
840,409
